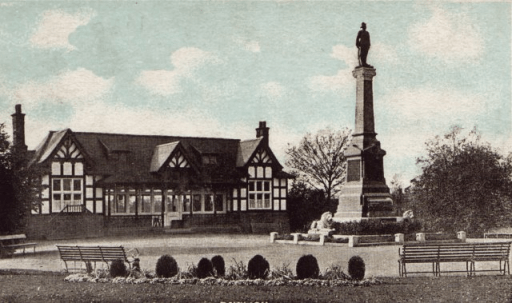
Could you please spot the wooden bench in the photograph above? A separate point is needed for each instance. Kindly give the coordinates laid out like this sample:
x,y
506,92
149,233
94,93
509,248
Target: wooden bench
x,y
9,244
469,253
89,254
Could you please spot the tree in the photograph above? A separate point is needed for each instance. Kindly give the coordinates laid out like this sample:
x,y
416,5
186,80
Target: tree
x,y
398,195
19,186
464,186
319,160
306,204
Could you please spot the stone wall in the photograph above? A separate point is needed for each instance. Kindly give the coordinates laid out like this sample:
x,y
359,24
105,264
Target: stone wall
x,y
246,222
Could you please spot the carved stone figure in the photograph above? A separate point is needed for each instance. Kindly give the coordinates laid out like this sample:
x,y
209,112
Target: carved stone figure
x,y
363,44
322,226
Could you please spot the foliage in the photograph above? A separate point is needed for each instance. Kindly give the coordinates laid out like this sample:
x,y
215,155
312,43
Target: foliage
x,y
319,159
219,266
282,272
376,227
306,204
398,195
118,269
204,268
19,184
356,268
334,272
307,267
238,271
166,266
258,267
464,186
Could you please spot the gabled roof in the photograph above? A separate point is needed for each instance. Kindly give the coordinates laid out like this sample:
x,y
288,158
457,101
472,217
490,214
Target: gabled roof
x,y
246,150
161,154
125,158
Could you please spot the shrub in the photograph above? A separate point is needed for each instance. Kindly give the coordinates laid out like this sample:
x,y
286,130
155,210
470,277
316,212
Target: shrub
x,y
282,272
376,227
166,267
258,267
218,265
238,271
356,268
118,269
204,268
334,272
307,267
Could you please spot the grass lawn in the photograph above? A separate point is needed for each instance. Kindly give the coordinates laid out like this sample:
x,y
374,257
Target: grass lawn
x,y
381,262
52,288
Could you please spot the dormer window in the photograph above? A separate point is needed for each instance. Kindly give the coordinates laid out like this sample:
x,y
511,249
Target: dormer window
x,y
209,159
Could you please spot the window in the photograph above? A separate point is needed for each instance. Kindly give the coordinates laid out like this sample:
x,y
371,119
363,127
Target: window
x,y
219,203
208,202
259,195
66,191
145,202
172,203
120,204
209,159
196,205
157,202
132,202
186,202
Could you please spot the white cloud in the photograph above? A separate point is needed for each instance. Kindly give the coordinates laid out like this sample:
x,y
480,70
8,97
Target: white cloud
x,y
451,37
381,52
74,87
346,54
273,90
186,62
55,27
248,45
340,81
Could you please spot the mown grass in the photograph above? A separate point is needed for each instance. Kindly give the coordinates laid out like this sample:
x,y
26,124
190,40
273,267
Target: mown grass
x,y
51,287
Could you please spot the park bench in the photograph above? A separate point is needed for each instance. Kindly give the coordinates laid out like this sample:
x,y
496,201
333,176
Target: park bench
x,y
92,254
10,243
469,253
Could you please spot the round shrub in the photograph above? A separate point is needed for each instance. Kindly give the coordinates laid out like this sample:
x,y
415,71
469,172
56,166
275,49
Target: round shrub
x,y
307,267
166,267
204,268
258,267
356,268
218,265
118,269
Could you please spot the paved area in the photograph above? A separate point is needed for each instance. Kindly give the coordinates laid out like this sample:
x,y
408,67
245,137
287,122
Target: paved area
x,y
188,249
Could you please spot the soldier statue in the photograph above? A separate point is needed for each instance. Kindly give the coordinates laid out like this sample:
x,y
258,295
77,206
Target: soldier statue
x,y
363,44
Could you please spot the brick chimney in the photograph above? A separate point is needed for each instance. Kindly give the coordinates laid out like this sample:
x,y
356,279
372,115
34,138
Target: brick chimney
x,y
18,130
262,131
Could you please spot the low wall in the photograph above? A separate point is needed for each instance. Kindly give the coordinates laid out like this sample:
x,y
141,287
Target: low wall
x,y
65,226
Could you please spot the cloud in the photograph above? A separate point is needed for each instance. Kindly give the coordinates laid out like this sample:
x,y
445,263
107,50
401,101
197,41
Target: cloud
x,y
186,62
338,82
273,90
55,26
348,55
80,85
452,37
248,45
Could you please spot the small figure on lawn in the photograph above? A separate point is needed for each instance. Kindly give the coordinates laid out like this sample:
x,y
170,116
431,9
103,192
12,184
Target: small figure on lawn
x,y
322,226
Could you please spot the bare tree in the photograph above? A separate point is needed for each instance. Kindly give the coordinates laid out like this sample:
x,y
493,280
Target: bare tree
x,y
319,161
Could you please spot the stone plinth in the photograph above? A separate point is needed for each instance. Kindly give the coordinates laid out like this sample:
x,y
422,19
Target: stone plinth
x,y
365,193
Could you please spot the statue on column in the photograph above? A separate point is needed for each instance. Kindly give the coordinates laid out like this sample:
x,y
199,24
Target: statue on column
x,y
363,45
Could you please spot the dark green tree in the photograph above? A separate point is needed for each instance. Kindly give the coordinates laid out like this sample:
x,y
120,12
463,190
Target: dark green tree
x,y
306,204
465,185
19,187
318,160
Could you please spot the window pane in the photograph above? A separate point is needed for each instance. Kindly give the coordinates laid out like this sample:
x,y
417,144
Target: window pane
x,y
56,184
157,203
251,186
146,204
120,204
219,203
197,203
267,201
56,197
266,186
66,184
208,203
259,201
67,197
77,198
131,203
186,202
77,184
252,202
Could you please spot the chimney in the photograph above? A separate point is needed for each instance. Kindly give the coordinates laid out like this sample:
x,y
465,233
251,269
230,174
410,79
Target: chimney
x,y
18,130
262,131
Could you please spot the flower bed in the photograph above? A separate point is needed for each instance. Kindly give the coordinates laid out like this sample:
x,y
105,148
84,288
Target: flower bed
x,y
82,277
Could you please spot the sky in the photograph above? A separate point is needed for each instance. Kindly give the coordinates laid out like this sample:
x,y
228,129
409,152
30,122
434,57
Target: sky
x,y
217,68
